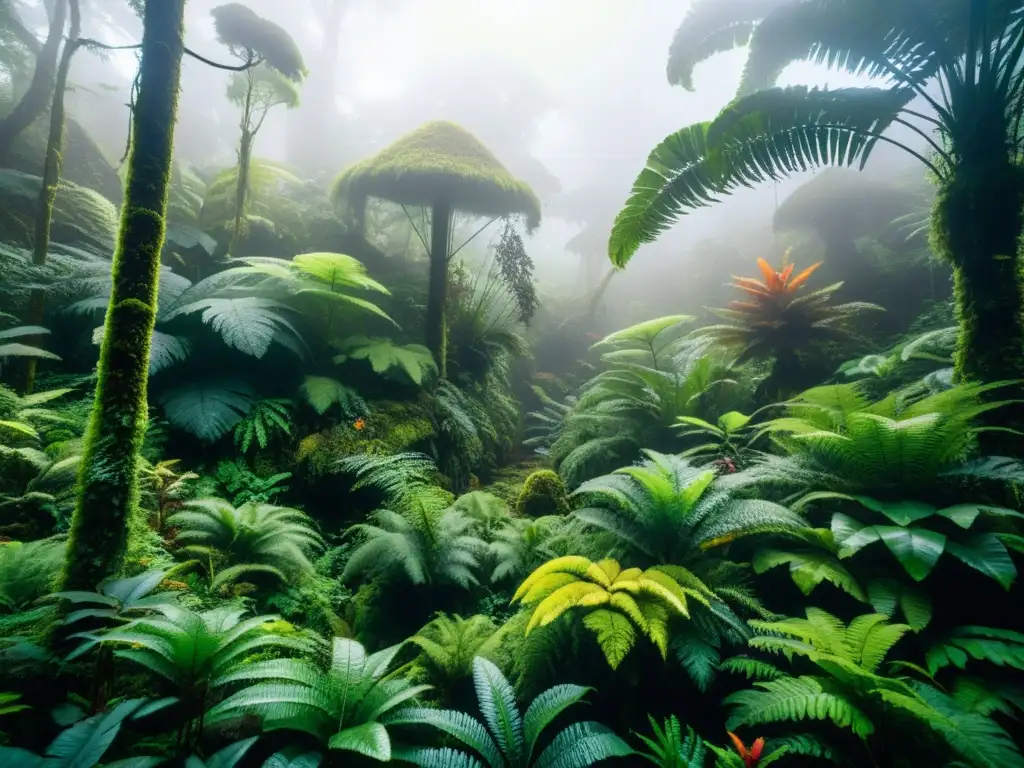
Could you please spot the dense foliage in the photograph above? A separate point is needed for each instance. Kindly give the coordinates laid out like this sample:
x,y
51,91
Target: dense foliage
x,y
351,520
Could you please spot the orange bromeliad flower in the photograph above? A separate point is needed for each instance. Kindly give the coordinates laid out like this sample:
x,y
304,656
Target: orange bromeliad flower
x,y
775,283
360,424
751,757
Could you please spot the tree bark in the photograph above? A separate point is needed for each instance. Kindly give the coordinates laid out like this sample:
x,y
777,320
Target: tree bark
x,y
437,297
977,227
34,102
108,478
51,177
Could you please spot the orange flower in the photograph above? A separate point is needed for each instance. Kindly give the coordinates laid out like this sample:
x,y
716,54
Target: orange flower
x,y
750,757
360,424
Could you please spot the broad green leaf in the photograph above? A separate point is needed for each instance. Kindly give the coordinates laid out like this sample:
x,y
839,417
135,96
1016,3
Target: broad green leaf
x,y
987,554
732,421
900,512
370,739
917,549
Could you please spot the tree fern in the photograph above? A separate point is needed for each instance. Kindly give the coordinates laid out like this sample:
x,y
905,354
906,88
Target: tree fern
x,y
509,739
249,323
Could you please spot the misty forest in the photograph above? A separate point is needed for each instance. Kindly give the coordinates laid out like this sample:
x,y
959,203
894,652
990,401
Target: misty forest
x,y
536,384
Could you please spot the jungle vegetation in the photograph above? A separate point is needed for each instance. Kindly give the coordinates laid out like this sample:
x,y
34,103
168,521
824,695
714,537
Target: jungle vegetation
x,y
304,463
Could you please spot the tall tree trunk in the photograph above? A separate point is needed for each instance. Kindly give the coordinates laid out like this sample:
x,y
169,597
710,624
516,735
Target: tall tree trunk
x,y
977,227
51,177
108,478
34,102
437,298
242,188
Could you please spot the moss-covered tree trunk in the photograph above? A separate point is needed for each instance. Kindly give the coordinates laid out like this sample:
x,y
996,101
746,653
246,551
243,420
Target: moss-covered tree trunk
x,y
437,298
977,227
108,479
242,188
35,100
51,177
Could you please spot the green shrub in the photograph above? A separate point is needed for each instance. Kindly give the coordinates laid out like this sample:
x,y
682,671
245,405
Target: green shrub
x,y
543,494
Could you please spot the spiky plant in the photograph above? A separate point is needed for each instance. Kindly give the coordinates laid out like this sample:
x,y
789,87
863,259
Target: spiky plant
x,y
669,747
652,375
776,322
510,740
617,602
666,510
349,706
849,689
197,654
167,488
268,418
448,645
250,539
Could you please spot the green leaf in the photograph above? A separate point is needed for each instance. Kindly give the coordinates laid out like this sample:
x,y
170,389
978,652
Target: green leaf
x,y
733,421
370,739
414,359
809,569
917,549
322,392
900,512
615,634
248,324
207,409
987,554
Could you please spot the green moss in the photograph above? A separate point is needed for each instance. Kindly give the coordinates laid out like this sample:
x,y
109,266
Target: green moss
x,y
439,160
543,494
389,428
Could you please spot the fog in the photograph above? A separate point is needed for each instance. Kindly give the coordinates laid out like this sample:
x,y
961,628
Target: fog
x,y
571,95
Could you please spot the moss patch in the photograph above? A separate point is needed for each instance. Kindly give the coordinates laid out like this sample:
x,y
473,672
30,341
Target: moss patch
x,y
543,494
389,428
439,160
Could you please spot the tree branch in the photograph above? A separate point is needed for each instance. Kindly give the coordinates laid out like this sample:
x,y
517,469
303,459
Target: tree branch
x,y
251,62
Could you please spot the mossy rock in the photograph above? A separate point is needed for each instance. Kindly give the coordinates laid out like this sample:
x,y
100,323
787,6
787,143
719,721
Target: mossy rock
x,y
543,494
80,215
389,428
83,162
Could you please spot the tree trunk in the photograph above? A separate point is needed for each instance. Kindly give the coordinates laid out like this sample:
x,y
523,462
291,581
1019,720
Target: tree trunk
x,y
34,102
108,478
437,331
51,177
977,228
242,188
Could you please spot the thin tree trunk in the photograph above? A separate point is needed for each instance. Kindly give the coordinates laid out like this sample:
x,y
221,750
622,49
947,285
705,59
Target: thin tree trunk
x,y
977,227
108,479
51,177
34,102
241,189
437,298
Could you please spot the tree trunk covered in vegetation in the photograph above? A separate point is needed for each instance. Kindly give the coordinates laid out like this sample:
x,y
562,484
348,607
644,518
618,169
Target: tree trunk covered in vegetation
x,y
242,188
51,177
108,478
437,331
36,98
977,227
